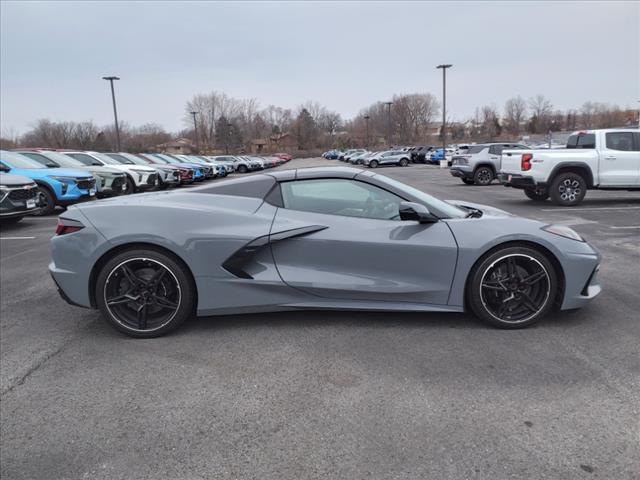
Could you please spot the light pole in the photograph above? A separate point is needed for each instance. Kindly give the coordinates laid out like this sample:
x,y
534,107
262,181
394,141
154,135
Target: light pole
x,y
388,104
444,106
228,135
195,128
115,111
366,120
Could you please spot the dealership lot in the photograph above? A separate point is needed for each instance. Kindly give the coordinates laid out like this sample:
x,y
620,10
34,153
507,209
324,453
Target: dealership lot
x,y
329,394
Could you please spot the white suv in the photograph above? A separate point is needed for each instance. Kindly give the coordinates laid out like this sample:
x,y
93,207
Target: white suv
x,y
481,164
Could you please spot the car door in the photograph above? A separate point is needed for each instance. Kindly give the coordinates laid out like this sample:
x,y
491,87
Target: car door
x,y
353,246
619,159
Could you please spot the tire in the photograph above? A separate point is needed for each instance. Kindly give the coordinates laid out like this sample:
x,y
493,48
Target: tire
x,y
243,169
403,162
537,194
131,186
373,164
115,286
467,181
568,189
47,202
522,273
483,176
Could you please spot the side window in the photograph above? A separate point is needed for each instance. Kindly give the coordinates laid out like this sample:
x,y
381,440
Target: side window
x,y
496,149
586,141
622,141
336,196
636,137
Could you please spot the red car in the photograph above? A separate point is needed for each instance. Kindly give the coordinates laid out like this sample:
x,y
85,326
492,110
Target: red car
x,y
283,156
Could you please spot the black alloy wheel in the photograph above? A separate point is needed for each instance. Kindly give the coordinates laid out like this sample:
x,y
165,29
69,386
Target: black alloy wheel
x,y
512,287
46,201
145,293
483,176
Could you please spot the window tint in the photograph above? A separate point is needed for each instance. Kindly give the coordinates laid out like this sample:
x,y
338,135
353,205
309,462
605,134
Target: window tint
x,y
336,196
496,149
476,148
622,141
582,140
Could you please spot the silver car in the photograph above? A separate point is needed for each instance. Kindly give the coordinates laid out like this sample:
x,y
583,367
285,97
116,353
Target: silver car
x,y
390,157
309,239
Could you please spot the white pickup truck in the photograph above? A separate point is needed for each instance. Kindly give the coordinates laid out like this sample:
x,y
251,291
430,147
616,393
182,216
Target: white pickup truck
x,y
604,159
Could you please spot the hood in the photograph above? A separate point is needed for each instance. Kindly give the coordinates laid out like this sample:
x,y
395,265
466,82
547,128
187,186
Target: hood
x,y
66,172
103,170
486,209
141,168
9,180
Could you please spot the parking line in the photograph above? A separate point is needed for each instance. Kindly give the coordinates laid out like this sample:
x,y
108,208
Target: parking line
x,y
17,238
630,226
586,208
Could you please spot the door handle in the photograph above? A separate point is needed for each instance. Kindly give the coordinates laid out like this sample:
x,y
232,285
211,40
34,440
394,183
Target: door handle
x,y
610,157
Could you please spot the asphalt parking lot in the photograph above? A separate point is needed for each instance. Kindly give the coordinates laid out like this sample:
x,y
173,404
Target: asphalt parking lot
x,y
327,394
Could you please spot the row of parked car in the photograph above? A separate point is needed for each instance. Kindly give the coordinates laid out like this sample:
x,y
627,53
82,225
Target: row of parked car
x,y
416,154
36,181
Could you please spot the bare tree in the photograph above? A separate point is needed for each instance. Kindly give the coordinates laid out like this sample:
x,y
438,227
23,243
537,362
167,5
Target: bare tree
x,y
541,109
515,110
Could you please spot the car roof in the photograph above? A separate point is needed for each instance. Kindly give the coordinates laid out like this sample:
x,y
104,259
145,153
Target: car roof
x,y
315,172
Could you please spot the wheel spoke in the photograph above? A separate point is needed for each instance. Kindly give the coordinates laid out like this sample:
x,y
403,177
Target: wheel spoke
x,y
142,316
533,278
163,302
494,285
157,276
529,303
511,267
125,298
129,274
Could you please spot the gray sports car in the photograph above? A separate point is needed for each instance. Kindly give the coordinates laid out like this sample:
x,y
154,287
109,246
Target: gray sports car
x,y
316,238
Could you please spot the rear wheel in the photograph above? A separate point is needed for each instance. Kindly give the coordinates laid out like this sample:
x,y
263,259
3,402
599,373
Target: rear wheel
x,y
243,169
512,287
568,189
537,194
483,176
467,181
47,201
404,162
145,293
373,164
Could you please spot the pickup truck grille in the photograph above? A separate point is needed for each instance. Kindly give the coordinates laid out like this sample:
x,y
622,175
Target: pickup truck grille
x,y
23,193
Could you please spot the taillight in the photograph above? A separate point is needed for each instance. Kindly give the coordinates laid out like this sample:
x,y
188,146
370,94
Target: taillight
x,y
525,163
66,225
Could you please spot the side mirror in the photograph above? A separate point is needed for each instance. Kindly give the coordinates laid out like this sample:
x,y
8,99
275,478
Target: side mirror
x,y
416,212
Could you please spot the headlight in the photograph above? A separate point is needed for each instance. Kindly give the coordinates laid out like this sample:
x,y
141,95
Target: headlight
x,y
563,231
64,179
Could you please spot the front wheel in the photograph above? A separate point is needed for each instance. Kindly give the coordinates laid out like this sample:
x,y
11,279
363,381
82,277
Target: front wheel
x,y
512,287
47,202
243,169
537,194
130,186
568,189
373,164
483,176
404,162
145,293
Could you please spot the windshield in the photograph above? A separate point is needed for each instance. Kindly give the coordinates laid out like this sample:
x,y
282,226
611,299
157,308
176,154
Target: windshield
x,y
449,210
134,159
57,158
119,158
106,159
167,159
83,158
16,160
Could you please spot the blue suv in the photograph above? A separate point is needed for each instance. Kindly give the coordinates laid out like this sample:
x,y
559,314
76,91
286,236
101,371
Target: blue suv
x,y
58,186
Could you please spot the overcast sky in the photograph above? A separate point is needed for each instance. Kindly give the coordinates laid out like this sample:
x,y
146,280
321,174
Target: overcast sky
x,y
345,55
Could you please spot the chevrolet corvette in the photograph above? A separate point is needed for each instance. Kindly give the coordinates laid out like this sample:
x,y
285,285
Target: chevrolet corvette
x,y
314,238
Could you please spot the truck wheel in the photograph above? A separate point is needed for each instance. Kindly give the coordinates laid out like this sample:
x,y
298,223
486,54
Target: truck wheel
x,y
483,176
537,194
568,189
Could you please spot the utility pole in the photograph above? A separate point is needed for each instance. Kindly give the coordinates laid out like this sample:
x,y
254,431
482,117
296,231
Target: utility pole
x,y
115,111
366,119
195,128
388,104
444,106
